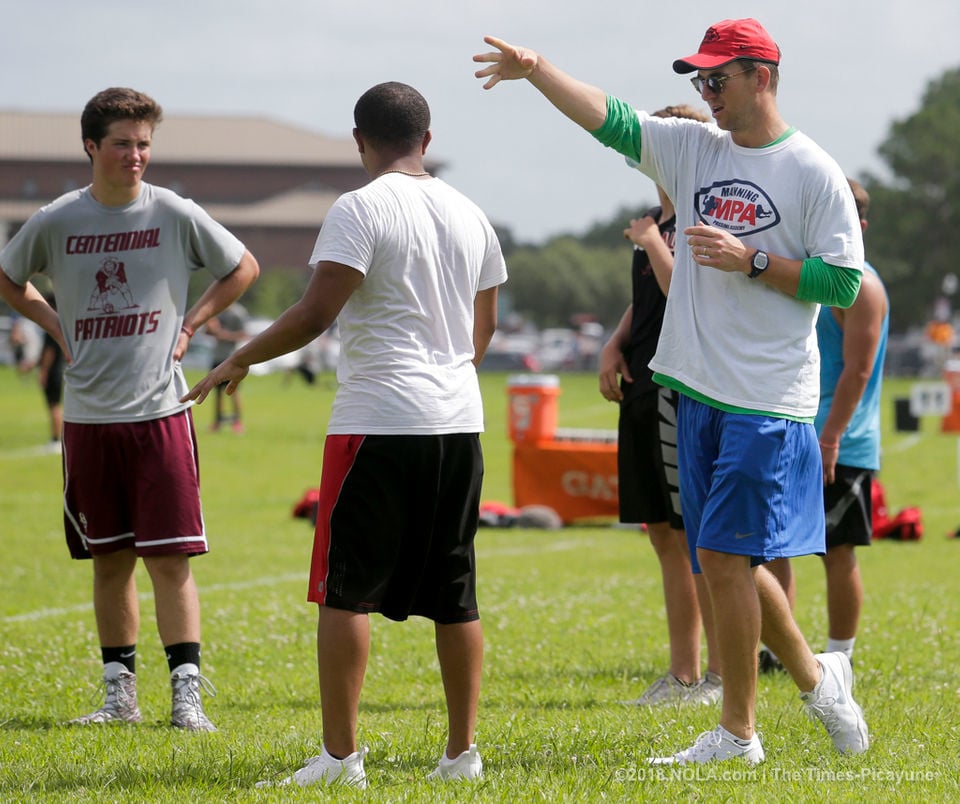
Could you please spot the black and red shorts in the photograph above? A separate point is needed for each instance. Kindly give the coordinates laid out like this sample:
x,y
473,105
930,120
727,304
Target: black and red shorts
x,y
396,524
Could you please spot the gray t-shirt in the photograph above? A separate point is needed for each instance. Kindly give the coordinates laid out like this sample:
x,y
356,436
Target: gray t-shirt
x,y
120,277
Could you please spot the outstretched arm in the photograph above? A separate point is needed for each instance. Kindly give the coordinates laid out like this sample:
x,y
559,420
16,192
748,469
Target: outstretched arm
x,y
584,104
328,290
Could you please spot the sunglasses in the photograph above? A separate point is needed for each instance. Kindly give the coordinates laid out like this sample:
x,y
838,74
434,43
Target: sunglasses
x,y
715,83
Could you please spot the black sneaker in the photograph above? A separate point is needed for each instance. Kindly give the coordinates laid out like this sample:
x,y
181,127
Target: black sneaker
x,y
767,663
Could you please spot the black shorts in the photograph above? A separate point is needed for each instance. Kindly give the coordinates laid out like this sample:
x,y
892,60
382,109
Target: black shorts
x,y
53,388
846,503
647,460
395,526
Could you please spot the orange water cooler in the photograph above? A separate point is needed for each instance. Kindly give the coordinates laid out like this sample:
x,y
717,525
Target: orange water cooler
x,y
574,472
533,407
951,376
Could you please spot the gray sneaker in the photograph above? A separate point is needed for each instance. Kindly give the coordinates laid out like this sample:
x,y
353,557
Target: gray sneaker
x,y
668,689
831,702
120,705
708,690
187,710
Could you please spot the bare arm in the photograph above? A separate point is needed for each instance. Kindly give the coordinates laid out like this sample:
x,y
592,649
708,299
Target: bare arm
x,y
584,104
328,290
29,302
612,362
484,321
645,233
862,326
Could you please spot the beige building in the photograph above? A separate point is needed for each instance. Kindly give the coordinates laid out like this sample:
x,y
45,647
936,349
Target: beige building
x,y
270,183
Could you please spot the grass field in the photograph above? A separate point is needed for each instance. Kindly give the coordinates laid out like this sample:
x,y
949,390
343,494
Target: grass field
x,y
573,622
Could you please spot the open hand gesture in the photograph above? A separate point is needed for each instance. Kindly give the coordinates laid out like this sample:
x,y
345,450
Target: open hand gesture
x,y
509,64
227,372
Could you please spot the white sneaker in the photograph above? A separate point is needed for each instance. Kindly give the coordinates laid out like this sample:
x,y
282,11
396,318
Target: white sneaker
x,y
668,689
708,690
831,702
120,705
326,769
466,766
186,711
716,745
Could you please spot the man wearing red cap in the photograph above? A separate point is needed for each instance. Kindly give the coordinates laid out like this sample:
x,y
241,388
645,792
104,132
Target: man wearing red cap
x,y
770,233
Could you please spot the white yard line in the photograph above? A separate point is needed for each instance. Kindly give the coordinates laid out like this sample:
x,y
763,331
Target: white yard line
x,y
45,613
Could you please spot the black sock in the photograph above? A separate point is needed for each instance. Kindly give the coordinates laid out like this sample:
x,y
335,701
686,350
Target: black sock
x,y
183,653
126,655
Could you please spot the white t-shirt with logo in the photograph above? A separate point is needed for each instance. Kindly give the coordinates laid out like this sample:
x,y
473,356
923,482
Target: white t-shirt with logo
x,y
728,337
120,277
406,333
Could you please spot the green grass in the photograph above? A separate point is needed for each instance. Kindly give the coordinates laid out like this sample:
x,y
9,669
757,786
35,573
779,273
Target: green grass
x,y
573,624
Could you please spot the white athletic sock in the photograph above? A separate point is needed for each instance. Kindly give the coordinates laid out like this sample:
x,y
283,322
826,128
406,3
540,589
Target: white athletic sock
x,y
841,645
738,740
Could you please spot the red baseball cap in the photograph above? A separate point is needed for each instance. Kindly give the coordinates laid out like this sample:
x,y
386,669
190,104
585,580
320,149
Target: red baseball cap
x,y
728,41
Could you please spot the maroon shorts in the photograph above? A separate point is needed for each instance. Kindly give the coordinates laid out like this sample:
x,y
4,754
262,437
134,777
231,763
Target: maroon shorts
x,y
396,523
133,485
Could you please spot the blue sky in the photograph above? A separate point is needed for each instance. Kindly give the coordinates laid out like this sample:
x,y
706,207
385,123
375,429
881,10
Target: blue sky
x,y
849,70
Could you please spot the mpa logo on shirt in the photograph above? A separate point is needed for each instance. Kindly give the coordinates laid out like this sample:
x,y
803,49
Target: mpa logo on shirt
x,y
736,206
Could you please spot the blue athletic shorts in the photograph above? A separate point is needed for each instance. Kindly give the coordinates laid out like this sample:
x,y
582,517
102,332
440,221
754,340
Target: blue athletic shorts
x,y
749,484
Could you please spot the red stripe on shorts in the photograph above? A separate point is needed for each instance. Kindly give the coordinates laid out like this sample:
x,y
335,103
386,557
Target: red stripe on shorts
x,y
339,454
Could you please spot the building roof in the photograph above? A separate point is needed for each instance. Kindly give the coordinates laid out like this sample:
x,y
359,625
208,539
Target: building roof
x,y
50,136
298,208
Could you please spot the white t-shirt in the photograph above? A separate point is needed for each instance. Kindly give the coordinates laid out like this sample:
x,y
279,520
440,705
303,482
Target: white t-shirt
x,y
731,338
120,277
406,333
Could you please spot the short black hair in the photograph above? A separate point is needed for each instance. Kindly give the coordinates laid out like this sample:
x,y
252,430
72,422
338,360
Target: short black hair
x,y
392,114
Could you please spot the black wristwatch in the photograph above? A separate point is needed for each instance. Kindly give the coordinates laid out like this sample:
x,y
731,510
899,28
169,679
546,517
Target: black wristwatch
x,y
758,263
